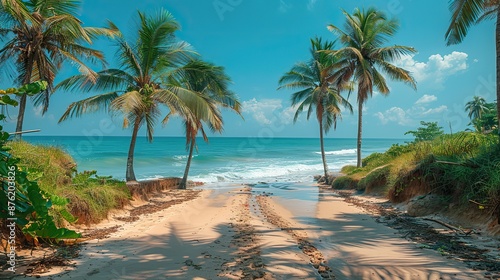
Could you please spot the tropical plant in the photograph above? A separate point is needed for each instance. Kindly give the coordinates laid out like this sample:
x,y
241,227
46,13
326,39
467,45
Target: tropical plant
x,y
476,107
40,36
488,121
22,203
363,37
211,83
319,87
468,12
428,131
150,64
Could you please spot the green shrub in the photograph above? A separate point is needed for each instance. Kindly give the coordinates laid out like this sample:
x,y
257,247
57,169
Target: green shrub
x,y
90,197
376,179
344,183
349,169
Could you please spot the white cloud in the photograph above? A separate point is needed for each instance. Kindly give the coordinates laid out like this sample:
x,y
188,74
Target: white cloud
x,y
426,99
437,68
310,4
284,7
268,111
411,116
38,111
438,110
395,114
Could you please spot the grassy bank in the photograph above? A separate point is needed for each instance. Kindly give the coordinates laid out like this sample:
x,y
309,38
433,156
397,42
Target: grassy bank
x,y
464,167
91,197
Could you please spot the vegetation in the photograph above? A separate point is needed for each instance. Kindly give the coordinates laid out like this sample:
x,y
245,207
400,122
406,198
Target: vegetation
x,y
366,57
483,115
151,66
156,70
90,197
428,131
40,36
211,83
319,89
468,12
23,203
463,166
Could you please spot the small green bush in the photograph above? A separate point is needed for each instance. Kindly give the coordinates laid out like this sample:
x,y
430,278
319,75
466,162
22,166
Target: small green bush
x,y
91,197
344,183
376,179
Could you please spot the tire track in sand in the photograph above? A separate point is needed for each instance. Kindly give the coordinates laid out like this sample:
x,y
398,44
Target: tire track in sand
x,y
315,256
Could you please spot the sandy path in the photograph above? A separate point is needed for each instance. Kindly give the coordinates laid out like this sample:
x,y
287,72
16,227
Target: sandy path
x,y
357,247
234,233
218,235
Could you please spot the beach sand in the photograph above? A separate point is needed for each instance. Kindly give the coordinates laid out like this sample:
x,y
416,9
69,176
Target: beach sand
x,y
236,233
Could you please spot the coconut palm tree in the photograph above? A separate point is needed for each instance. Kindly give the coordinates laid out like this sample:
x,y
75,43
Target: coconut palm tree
x,y
40,36
476,108
144,82
363,39
319,87
211,83
468,12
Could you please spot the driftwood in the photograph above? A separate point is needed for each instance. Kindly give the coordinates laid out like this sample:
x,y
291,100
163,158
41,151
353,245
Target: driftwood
x,y
449,226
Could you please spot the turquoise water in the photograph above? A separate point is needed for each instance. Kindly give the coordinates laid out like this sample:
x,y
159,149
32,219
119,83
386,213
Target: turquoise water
x,y
223,159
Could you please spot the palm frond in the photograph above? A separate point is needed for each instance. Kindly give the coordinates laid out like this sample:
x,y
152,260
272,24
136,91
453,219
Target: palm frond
x,y
89,105
111,79
464,14
130,102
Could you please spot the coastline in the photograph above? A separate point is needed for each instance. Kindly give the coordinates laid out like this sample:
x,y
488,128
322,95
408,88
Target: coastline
x,y
244,232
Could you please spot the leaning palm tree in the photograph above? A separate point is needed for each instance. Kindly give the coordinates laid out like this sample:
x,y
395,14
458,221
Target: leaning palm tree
x,y
40,36
319,88
468,12
137,89
211,83
363,37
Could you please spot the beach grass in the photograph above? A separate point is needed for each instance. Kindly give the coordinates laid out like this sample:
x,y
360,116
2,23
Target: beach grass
x,y
91,198
463,166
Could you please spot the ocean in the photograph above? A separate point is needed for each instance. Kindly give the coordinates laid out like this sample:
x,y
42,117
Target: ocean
x,y
223,159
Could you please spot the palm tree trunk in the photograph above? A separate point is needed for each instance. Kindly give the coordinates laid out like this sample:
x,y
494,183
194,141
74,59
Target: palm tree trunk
x,y
323,157
360,131
183,183
20,116
130,175
497,35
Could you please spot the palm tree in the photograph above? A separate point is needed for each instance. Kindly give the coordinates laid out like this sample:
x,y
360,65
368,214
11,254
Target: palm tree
x,y
367,59
137,89
40,36
468,12
211,83
319,89
476,108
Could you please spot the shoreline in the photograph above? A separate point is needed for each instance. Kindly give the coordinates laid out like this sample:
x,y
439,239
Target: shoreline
x,y
244,232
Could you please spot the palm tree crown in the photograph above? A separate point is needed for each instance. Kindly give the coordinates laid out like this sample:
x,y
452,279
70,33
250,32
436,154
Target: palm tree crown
x,y
40,36
211,82
145,81
319,86
465,13
367,59
476,108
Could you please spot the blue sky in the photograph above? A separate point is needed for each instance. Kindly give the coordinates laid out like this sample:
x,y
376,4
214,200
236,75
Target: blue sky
x,y
259,40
